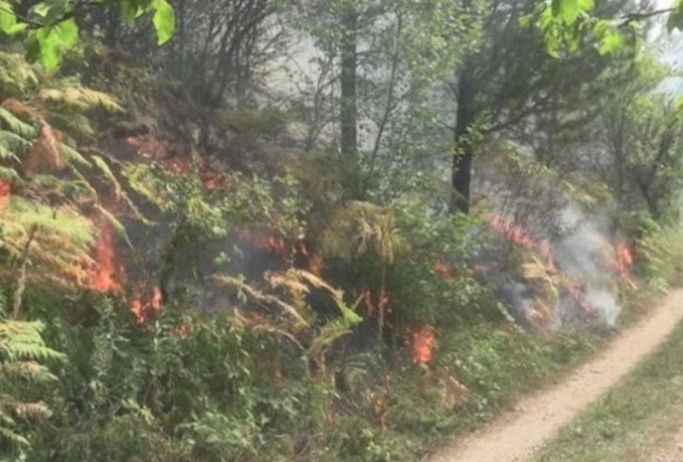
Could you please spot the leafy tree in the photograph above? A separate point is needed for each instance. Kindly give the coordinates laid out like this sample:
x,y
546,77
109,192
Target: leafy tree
x,y
51,28
379,63
508,84
638,153
567,22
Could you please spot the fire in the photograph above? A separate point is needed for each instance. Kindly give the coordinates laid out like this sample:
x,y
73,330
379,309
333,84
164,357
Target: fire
x,y
442,269
422,345
510,230
162,154
274,245
623,261
210,179
546,252
141,310
576,294
107,274
515,234
5,194
379,408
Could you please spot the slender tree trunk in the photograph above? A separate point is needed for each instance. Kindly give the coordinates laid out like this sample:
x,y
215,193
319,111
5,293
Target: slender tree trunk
x,y
180,44
349,105
462,159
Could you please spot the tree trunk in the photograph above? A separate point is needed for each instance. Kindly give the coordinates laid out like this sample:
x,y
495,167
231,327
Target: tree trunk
x,y
349,105
462,159
180,44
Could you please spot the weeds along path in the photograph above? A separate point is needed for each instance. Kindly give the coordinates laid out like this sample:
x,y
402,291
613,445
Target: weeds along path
x,y
516,434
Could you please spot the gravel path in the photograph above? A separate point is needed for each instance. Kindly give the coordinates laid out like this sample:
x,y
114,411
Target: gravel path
x,y
515,435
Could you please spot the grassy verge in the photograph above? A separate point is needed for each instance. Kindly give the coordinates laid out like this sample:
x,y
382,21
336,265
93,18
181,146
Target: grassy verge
x,y
632,419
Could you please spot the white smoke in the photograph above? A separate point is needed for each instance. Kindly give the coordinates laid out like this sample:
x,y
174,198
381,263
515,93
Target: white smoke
x,y
585,254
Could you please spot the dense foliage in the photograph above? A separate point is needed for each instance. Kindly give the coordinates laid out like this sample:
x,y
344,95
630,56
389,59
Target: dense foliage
x,y
441,206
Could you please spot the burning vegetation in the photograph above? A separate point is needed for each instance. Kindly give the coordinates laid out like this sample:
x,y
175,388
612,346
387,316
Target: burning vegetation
x,y
106,273
575,269
291,277
5,194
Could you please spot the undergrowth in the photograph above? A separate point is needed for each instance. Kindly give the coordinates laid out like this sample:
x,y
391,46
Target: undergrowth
x,y
282,326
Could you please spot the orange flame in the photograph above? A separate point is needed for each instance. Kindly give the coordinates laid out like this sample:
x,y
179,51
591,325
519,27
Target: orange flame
x,y
442,269
515,234
107,274
5,194
510,230
274,245
623,261
577,296
379,408
141,310
423,344
381,306
210,179
546,252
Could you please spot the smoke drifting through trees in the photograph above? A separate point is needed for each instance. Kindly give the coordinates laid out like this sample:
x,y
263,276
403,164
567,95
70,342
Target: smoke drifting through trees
x,y
259,252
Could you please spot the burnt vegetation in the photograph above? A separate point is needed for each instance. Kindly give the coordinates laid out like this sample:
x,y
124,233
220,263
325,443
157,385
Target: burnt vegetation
x,y
313,230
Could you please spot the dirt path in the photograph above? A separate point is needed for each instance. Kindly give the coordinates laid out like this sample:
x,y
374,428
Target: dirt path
x,y
668,450
515,435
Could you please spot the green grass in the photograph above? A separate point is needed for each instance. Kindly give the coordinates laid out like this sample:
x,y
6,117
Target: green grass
x,y
632,419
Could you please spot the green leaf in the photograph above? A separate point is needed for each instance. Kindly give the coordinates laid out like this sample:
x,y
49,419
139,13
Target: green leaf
x,y
675,20
611,43
164,21
7,18
8,21
44,47
572,39
41,9
568,11
68,33
47,44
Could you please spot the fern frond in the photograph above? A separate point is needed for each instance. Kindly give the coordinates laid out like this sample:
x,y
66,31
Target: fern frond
x,y
12,145
329,333
26,370
15,124
80,98
260,297
117,225
23,341
9,175
30,411
82,184
108,174
61,246
75,122
16,73
361,227
74,157
12,437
